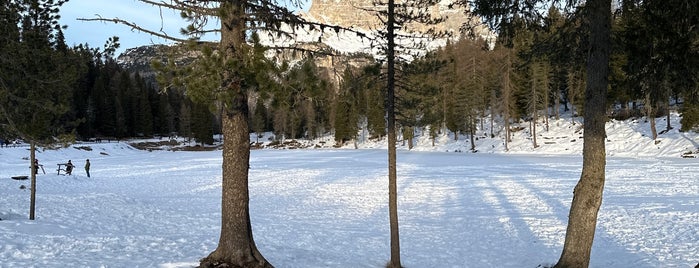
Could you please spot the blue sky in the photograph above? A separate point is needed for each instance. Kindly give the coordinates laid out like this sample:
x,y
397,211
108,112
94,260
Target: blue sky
x,y
96,33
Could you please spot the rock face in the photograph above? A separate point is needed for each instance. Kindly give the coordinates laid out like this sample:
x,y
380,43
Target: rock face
x,y
354,14
139,59
357,14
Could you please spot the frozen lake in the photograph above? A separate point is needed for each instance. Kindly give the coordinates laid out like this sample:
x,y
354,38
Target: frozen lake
x,y
328,208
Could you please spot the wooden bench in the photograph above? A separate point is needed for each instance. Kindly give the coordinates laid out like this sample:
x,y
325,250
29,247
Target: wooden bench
x,y
61,168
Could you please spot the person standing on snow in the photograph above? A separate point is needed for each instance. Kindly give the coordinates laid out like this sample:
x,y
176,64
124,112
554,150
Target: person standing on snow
x,y
87,167
35,167
69,167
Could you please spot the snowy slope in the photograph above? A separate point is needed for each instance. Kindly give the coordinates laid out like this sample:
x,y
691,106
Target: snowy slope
x,y
628,138
327,208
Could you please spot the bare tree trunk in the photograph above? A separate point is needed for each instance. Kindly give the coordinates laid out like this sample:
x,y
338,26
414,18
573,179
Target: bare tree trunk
x,y
548,112
391,125
533,122
411,132
650,115
506,92
492,122
507,133
236,247
667,117
571,99
33,169
472,133
587,195
573,84
534,104
557,103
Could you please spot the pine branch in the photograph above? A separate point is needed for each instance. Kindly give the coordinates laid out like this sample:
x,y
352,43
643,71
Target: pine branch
x,y
135,26
185,6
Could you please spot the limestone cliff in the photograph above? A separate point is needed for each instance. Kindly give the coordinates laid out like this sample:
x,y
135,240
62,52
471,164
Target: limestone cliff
x,y
354,14
357,14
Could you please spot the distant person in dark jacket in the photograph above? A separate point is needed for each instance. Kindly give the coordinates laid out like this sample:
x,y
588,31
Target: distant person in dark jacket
x,y
87,167
69,167
35,167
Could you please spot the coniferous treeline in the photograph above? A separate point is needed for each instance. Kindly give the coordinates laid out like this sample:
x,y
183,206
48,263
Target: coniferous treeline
x,y
111,102
534,70
50,92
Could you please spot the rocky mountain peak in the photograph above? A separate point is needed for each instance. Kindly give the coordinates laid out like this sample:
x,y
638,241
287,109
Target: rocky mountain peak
x,y
357,14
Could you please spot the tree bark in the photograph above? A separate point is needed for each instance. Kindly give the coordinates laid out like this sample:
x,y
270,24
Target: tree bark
x,y
33,170
587,195
391,128
650,115
472,132
236,247
506,92
667,117
534,103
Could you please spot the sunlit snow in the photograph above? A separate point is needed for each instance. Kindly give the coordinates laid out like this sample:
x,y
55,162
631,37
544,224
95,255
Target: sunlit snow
x,y
328,207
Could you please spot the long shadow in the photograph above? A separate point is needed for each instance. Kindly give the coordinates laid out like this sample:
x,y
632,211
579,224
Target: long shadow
x,y
514,223
561,211
492,231
684,136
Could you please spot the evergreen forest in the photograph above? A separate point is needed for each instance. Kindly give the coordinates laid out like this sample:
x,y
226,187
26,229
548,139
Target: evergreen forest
x,y
532,71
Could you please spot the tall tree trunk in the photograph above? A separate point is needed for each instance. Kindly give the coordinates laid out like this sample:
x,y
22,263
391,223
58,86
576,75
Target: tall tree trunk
x,y
572,91
557,103
493,103
546,120
534,103
236,247
587,195
668,127
492,123
573,84
533,122
33,170
391,127
472,132
650,115
506,91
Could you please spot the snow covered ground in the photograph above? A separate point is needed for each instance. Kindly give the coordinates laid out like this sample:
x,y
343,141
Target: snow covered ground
x,y
328,207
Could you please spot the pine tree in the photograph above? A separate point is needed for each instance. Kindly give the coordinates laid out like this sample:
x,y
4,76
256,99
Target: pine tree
x,y
202,124
453,119
415,95
346,112
36,75
587,196
374,101
224,76
539,86
185,120
507,88
394,17
259,118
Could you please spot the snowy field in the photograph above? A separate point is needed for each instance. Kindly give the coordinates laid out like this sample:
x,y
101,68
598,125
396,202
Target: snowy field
x,y
328,208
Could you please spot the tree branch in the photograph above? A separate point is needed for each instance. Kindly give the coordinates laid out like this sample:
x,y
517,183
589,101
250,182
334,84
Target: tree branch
x,y
135,26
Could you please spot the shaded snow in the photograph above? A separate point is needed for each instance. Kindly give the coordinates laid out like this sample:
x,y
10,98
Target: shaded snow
x,y
328,208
